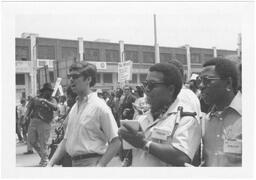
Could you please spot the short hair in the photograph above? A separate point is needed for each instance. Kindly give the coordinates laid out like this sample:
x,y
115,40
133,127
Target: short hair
x,y
171,74
224,68
178,64
86,69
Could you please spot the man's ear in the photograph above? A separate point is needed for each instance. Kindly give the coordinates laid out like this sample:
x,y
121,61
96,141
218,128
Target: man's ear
x,y
171,89
89,79
229,84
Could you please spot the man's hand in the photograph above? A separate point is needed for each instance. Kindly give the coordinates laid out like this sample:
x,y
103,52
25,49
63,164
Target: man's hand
x,y
135,138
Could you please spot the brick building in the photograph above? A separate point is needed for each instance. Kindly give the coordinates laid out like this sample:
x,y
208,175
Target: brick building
x,y
58,54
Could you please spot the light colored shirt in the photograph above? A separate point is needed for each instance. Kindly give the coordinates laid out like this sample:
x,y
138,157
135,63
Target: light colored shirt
x,y
62,109
223,136
90,127
21,110
186,137
188,97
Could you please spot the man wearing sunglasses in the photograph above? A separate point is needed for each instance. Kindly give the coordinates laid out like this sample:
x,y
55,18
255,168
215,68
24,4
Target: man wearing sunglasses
x,y
163,138
222,136
91,137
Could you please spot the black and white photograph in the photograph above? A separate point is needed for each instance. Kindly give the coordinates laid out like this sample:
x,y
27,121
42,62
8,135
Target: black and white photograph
x,y
112,89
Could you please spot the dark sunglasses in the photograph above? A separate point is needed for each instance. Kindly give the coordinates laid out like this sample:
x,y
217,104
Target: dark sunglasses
x,y
73,76
150,85
205,80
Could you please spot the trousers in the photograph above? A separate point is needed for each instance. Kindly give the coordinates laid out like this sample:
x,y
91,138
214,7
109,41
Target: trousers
x,y
38,136
88,162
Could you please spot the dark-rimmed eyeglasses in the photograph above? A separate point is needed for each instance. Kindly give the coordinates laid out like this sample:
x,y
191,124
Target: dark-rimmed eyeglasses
x,y
73,76
205,80
150,85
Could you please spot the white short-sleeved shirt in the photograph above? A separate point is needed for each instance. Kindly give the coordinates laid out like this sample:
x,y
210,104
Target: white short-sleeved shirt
x,y
188,97
90,128
186,138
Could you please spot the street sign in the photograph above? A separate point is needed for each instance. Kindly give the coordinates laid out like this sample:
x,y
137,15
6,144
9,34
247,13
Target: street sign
x,y
124,71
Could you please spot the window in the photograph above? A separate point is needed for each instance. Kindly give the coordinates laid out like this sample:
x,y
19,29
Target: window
x,y
132,55
208,57
20,79
98,78
92,54
107,78
69,53
46,52
143,77
165,57
112,55
51,74
182,58
195,58
22,53
148,57
134,78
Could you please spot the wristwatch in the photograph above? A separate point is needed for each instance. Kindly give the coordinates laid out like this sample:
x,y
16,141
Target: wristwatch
x,y
147,146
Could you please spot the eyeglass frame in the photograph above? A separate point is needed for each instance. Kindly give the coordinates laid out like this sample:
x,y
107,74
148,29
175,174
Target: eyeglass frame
x,y
202,79
74,76
148,86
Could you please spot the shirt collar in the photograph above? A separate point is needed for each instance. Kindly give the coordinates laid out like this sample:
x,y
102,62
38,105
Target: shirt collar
x,y
87,97
236,103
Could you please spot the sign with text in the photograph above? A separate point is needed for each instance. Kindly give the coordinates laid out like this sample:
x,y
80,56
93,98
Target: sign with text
x,y
58,87
43,76
99,65
23,66
124,71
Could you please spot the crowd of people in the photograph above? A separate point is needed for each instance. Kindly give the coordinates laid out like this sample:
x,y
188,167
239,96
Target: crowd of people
x,y
193,123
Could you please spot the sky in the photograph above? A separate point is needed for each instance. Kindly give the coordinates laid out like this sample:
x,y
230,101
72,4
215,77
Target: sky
x,y
205,25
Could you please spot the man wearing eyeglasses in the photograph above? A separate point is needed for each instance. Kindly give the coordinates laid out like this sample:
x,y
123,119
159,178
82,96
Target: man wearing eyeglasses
x,y
164,138
91,137
222,136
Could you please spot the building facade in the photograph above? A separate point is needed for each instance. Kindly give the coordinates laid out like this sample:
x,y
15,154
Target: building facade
x,y
59,54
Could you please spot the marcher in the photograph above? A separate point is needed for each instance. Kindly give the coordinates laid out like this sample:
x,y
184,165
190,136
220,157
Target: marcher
x,y
167,136
126,108
127,112
62,107
91,137
18,127
223,125
40,109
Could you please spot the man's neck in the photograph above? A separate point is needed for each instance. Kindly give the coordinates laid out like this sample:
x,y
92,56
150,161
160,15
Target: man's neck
x,y
225,102
83,94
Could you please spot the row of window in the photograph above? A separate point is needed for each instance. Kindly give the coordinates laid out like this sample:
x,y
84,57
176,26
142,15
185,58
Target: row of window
x,y
71,53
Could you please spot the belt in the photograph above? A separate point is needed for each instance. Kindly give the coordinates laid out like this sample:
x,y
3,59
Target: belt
x,y
85,156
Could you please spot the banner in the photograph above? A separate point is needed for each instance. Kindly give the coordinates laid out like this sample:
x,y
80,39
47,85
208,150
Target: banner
x,y
124,71
99,65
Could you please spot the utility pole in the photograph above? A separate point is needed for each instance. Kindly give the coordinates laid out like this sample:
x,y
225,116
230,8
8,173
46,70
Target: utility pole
x,y
188,61
33,73
157,57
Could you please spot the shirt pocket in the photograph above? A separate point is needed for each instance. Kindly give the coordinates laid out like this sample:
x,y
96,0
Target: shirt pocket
x,y
161,134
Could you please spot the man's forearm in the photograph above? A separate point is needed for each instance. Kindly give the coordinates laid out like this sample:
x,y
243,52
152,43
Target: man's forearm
x,y
59,153
52,105
112,150
169,154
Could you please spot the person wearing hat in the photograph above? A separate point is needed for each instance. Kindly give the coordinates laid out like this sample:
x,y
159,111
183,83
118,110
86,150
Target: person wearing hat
x,y
91,137
40,110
